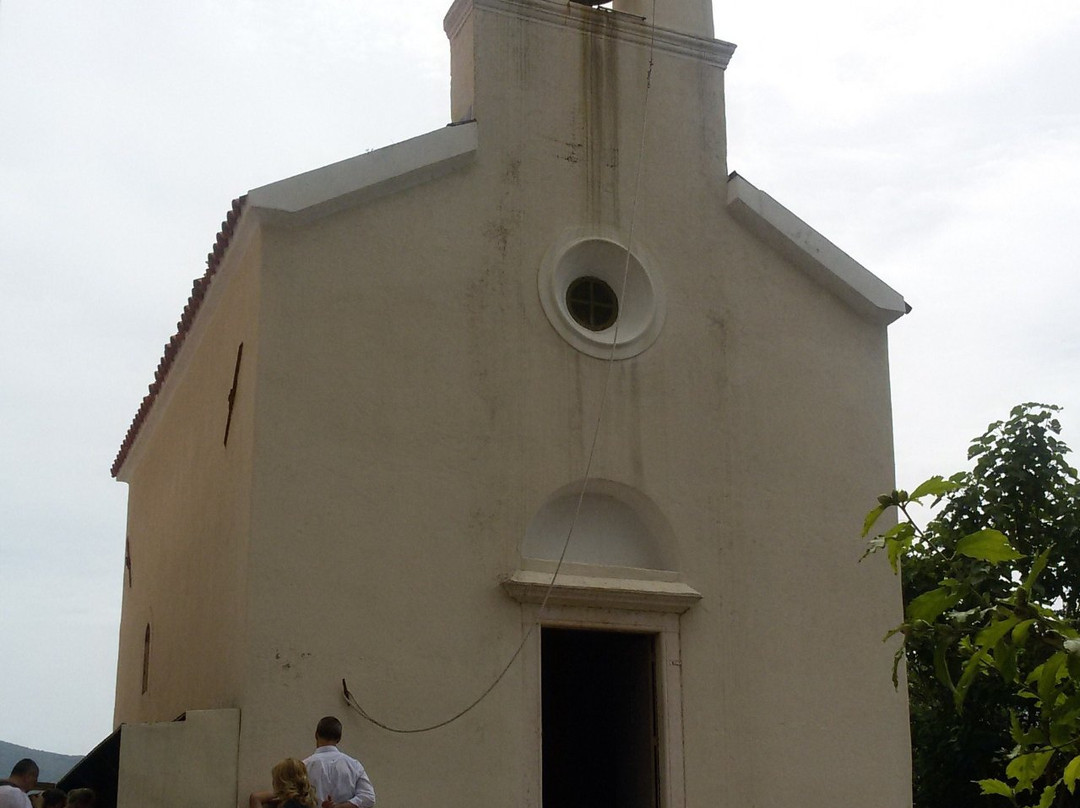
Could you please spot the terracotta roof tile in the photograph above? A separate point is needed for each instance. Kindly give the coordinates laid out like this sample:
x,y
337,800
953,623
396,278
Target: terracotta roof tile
x,y
187,318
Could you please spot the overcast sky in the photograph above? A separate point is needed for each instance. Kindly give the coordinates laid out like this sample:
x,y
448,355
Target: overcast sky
x,y
937,143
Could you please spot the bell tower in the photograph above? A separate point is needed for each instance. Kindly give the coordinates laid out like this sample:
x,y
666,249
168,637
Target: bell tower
x,y
681,26
583,89
689,16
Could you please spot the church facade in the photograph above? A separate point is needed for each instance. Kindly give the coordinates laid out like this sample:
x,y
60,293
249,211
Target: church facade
x,y
555,336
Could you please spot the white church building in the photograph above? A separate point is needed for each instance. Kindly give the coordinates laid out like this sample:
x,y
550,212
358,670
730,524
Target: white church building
x,y
411,382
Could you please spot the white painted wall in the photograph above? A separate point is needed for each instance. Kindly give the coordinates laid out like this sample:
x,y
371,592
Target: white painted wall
x,y
178,764
414,409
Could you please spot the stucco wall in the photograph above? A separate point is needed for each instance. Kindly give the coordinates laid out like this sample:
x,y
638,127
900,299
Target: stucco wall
x,y
179,764
188,513
406,407
416,408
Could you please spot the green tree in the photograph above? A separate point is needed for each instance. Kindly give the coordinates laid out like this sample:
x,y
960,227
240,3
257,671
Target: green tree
x,y
991,587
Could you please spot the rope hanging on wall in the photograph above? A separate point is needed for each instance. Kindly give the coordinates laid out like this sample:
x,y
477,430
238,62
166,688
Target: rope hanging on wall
x,y
350,699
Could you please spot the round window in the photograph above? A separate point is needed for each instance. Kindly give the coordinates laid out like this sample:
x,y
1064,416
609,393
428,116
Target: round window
x,y
598,297
592,303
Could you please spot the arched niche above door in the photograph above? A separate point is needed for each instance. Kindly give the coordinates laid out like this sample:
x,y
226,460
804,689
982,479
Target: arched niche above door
x,y
610,525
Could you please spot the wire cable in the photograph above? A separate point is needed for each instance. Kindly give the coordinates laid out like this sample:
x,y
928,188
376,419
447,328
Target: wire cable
x,y
351,700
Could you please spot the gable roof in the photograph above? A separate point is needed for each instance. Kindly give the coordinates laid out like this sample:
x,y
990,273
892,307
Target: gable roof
x,y
183,327
304,198
365,177
813,253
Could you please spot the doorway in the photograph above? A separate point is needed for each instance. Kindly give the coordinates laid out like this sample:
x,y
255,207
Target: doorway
x,y
600,743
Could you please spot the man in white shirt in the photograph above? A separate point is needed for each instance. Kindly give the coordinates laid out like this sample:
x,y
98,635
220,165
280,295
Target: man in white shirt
x,y
339,780
24,776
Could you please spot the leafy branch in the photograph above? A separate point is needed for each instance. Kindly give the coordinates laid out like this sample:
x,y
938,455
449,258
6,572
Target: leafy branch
x,y
990,597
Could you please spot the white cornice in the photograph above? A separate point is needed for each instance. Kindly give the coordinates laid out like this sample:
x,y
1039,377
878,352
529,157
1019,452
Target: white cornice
x,y
813,253
626,27
526,586
360,179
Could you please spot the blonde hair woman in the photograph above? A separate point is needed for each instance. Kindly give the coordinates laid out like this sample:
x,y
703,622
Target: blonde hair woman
x,y
292,789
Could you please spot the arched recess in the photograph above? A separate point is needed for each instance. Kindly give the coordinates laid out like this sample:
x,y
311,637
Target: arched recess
x,y
616,526
621,554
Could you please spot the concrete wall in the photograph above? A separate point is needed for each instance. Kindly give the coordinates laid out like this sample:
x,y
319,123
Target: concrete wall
x,y
179,764
188,513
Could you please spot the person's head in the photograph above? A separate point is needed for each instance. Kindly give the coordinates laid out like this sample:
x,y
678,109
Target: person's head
x,y
290,781
80,798
24,774
53,798
328,731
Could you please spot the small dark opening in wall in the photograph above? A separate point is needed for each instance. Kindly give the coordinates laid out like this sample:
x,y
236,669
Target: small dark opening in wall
x,y
592,303
127,561
146,660
232,391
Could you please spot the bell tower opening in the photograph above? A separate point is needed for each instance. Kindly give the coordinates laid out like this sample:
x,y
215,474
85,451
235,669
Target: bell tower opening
x,y
600,745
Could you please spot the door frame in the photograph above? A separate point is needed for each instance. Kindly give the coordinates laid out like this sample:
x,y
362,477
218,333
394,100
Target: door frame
x,y
665,627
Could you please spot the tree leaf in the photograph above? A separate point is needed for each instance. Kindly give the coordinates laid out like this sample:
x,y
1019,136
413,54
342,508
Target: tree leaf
x,y
872,546
1072,665
1048,795
897,540
971,670
892,632
987,545
1015,729
899,655
1061,731
1037,566
929,605
941,666
1048,678
995,787
871,518
1004,658
937,486
1027,768
1020,632
1033,737
995,631
1072,771
896,550
1067,712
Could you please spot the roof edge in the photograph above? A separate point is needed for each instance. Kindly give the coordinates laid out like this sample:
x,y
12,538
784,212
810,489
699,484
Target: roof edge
x,y
329,189
199,290
304,198
818,257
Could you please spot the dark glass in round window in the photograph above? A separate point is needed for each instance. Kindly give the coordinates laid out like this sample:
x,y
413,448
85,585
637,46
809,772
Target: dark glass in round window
x,y
592,303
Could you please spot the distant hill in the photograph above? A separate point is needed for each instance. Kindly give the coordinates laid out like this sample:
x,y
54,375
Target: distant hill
x,y
52,764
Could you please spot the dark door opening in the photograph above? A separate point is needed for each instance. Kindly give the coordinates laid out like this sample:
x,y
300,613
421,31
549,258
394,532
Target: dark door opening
x,y
598,693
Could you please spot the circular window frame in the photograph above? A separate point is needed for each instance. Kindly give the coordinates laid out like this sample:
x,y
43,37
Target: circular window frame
x,y
601,254
597,298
